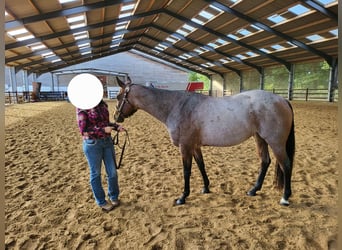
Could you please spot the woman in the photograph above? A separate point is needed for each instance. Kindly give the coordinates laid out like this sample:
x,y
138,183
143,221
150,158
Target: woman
x,y
96,130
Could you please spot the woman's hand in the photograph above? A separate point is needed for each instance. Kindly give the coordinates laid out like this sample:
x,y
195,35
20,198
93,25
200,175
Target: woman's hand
x,y
120,128
108,129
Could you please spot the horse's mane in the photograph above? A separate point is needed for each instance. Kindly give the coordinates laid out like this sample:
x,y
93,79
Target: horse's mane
x,y
162,102
178,93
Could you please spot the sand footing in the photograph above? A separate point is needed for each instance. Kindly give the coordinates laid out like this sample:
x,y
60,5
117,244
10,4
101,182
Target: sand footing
x,y
49,204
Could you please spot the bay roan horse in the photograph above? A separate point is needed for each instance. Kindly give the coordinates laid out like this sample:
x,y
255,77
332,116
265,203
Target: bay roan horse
x,y
194,120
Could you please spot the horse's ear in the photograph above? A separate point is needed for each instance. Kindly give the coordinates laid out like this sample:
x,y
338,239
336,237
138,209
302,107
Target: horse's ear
x,y
129,81
121,84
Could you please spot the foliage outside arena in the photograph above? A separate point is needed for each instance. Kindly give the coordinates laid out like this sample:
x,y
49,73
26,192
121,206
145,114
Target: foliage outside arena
x,y
313,75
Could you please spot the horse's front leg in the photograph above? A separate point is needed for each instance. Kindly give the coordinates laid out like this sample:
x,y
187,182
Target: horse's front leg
x,y
200,163
187,163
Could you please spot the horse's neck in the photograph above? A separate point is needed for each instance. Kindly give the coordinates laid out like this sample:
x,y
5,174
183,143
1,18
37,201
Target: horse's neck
x,y
156,102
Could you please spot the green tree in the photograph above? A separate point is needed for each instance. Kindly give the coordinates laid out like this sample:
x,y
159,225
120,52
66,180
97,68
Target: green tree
x,y
313,75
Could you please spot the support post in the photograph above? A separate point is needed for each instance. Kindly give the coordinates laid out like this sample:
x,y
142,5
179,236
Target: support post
x,y
13,79
291,79
262,78
332,81
241,83
25,80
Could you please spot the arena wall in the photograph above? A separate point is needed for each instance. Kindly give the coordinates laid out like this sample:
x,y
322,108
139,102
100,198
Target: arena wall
x,y
141,69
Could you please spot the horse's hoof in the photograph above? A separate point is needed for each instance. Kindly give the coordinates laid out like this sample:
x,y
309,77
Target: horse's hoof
x,y
251,192
205,191
284,202
179,201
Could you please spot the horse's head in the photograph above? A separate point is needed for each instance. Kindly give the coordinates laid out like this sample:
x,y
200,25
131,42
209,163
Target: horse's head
x,y
124,108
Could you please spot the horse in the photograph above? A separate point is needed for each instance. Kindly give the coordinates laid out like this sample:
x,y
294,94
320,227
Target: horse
x,y
194,120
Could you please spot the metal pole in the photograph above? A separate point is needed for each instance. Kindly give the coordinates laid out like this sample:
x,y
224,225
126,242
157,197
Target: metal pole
x,y
241,83
262,79
13,79
25,80
332,81
291,79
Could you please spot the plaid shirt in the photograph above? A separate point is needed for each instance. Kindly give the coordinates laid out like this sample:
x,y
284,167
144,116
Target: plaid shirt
x,y
93,121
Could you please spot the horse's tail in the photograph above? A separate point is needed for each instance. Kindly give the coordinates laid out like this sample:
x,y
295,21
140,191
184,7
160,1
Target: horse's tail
x,y
290,151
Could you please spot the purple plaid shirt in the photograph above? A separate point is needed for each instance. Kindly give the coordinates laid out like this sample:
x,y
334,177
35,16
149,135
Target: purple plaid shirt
x,y
93,121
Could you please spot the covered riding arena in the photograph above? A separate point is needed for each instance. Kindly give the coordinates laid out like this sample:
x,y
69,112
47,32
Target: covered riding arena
x,y
239,45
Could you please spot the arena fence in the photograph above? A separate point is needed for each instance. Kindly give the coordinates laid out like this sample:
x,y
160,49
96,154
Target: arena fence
x,y
300,94
307,94
28,96
297,94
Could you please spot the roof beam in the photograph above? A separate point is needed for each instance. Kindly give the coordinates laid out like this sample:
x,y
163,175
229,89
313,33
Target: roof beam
x,y
120,33
183,38
172,56
90,57
170,45
218,34
265,27
64,12
81,29
75,52
172,62
93,39
321,9
68,32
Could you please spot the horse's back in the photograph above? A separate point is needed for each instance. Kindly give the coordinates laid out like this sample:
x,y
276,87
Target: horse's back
x,y
227,121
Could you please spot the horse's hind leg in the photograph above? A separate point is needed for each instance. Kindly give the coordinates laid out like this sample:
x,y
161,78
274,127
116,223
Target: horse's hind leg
x,y
264,155
283,176
200,163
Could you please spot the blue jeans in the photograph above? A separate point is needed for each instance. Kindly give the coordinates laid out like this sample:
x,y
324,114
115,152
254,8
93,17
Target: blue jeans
x,y
97,151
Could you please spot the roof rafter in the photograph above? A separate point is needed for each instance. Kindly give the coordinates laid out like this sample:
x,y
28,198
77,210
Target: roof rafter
x,y
172,62
218,34
81,29
98,55
170,45
93,39
185,32
265,27
181,37
64,12
195,69
321,9
85,58
169,54
130,18
76,52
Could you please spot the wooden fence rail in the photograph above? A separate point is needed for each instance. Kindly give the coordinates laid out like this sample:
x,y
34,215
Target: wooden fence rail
x,y
300,94
297,94
28,96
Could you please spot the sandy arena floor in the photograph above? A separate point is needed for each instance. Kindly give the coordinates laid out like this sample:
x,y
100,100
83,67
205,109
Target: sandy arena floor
x,y
49,204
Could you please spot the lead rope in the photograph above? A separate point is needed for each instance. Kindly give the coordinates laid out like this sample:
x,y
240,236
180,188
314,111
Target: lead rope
x,y
115,140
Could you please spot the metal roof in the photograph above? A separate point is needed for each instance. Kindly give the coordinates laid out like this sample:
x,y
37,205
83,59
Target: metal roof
x,y
205,36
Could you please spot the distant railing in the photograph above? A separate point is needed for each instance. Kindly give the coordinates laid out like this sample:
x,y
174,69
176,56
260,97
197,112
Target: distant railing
x,y
297,94
307,94
300,94
29,96
112,94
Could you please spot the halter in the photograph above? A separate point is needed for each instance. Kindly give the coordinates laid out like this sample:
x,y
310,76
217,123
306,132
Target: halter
x,y
124,100
115,139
